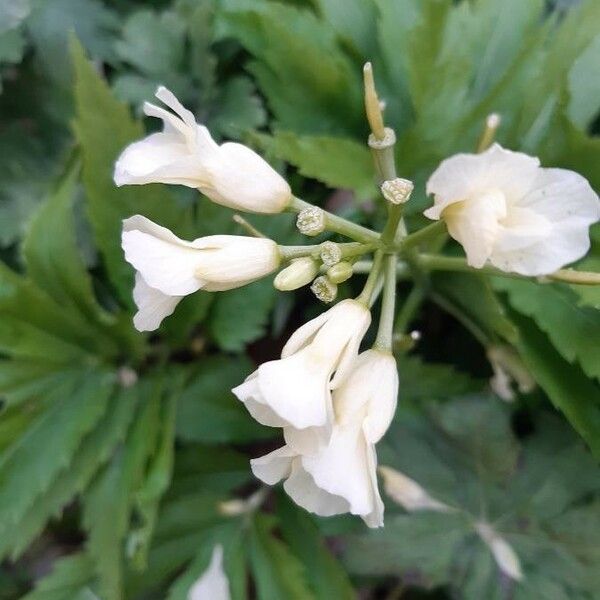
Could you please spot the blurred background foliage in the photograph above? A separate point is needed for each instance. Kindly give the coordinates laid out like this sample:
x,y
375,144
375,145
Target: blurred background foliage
x,y
117,448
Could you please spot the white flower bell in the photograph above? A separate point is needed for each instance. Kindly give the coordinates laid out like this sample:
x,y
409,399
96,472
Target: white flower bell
x,y
169,268
504,208
341,476
295,390
213,583
184,153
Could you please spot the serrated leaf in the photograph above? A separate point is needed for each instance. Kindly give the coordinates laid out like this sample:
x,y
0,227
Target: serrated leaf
x,y
326,576
70,579
309,83
566,385
30,465
574,330
94,451
153,42
337,162
277,572
240,316
109,500
454,453
52,256
98,112
208,412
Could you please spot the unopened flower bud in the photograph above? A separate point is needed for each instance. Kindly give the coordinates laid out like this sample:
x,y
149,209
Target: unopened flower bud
x,y
324,289
508,367
330,253
397,191
311,221
340,272
504,555
300,272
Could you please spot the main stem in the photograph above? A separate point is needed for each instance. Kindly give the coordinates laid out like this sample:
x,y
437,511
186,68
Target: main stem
x,y
385,331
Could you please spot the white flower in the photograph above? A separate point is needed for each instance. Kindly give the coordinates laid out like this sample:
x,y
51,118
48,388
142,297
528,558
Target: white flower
x,y
184,153
342,476
169,268
295,390
213,583
504,208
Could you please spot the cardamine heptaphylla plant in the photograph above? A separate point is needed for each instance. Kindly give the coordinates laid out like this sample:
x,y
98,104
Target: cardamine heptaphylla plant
x,y
333,402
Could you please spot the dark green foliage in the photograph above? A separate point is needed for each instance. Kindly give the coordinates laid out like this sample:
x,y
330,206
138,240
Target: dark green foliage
x,y
119,449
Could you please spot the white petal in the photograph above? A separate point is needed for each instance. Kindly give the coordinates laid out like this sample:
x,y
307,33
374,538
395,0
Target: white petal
x,y
273,467
465,176
167,266
408,493
375,517
308,441
153,306
241,179
213,583
304,334
342,468
249,393
235,258
296,388
372,390
474,223
303,490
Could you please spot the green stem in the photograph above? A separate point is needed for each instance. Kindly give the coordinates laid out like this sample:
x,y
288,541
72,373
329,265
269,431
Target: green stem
x,y
386,320
338,224
434,262
409,309
425,234
371,283
348,250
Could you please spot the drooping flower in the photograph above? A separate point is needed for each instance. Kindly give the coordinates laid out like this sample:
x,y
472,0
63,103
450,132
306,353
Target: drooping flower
x,y
295,391
341,476
169,268
184,153
504,208
213,583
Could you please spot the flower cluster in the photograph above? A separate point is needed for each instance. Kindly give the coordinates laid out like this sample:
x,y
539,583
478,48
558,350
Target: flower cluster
x,y
333,403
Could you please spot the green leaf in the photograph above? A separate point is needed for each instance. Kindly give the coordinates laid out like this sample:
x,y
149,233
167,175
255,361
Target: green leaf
x,y
208,412
309,83
326,576
566,385
277,572
584,86
574,330
337,162
29,466
152,42
95,449
424,381
52,256
240,316
471,298
98,112
69,580
464,454
109,500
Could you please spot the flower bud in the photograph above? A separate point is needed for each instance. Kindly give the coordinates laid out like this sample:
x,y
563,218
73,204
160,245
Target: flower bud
x,y
311,221
340,272
504,555
330,253
300,272
397,191
324,289
508,367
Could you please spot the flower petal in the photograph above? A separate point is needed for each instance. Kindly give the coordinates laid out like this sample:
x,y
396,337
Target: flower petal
x,y
213,583
273,467
153,306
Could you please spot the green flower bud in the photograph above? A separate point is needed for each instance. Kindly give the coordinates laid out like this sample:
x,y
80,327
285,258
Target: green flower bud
x,y
300,272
